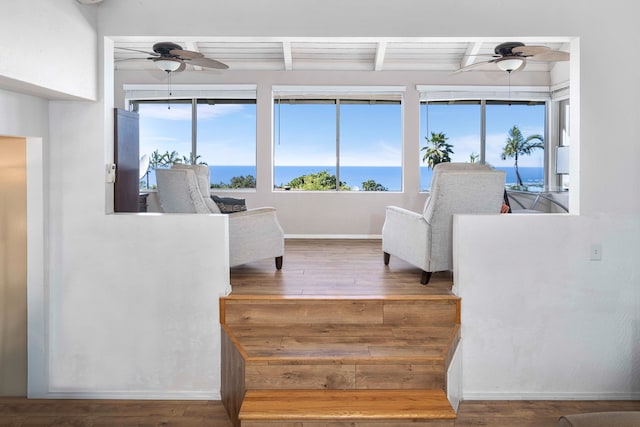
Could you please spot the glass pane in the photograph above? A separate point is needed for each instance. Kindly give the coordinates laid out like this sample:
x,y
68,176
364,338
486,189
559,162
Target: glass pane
x,y
227,143
165,136
371,146
304,144
516,131
459,122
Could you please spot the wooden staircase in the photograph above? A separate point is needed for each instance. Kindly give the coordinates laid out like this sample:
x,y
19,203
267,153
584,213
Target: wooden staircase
x,y
338,361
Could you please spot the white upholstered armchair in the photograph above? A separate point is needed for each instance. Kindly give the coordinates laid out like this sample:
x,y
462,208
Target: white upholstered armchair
x,y
425,239
254,234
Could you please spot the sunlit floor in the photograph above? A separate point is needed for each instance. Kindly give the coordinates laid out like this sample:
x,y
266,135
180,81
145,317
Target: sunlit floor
x,y
335,268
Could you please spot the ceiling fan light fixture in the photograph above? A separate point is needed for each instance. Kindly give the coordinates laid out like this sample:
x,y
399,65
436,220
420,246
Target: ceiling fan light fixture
x,y
168,64
510,64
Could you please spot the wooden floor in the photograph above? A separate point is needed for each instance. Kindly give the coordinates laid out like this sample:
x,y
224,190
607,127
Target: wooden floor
x,y
338,268
21,412
335,268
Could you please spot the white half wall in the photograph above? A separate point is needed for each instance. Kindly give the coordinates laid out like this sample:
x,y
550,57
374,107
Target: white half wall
x,y
540,320
137,315
131,303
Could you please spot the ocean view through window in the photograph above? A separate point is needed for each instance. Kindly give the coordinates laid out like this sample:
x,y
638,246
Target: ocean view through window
x,y
338,144
220,133
479,131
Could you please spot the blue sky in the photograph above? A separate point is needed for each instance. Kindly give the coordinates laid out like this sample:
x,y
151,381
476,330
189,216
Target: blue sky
x,y
226,132
307,135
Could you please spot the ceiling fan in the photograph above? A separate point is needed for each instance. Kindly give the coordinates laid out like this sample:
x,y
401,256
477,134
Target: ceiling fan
x,y
512,56
171,57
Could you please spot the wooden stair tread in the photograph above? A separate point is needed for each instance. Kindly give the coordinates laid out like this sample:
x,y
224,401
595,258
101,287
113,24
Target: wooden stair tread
x,y
346,405
320,297
345,343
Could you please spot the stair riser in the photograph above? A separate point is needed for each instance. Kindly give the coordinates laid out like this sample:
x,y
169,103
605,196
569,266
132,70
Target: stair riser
x,y
377,312
367,423
339,376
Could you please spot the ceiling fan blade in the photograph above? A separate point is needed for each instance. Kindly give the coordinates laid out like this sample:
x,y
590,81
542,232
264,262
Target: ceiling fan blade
x,y
551,56
529,50
186,54
130,59
137,50
208,63
474,65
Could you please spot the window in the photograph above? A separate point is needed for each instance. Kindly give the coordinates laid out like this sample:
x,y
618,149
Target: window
x,y
508,135
343,144
458,123
515,142
220,133
227,141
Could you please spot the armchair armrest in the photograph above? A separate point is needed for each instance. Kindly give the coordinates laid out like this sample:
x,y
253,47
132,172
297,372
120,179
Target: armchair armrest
x,y
254,234
397,212
253,212
405,234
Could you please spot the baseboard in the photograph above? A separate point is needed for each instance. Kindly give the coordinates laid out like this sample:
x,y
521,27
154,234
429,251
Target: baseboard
x,y
334,236
551,396
129,395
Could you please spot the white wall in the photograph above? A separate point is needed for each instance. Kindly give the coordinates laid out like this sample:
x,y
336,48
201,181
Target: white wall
x,y
137,315
91,255
49,48
119,305
133,298
540,320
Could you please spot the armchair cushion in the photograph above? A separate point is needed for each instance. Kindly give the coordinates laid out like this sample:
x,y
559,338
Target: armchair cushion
x,y
179,193
229,204
204,183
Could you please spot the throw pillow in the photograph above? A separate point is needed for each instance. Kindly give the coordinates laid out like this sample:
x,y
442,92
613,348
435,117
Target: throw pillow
x,y
229,204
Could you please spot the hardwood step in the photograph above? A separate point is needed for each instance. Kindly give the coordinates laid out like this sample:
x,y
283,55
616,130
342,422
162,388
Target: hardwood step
x,y
366,343
359,350
341,356
337,407
422,310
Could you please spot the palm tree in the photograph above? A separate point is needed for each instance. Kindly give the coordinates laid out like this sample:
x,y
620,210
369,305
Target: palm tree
x,y
517,145
187,160
439,151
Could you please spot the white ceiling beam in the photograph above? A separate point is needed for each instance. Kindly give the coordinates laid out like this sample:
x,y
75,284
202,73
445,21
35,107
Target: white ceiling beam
x,y
286,54
469,56
380,52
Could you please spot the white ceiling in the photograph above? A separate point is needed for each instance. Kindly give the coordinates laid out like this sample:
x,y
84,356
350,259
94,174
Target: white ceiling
x,y
344,54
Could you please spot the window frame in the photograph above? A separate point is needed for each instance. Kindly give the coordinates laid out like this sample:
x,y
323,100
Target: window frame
x,y
222,97
538,94
358,97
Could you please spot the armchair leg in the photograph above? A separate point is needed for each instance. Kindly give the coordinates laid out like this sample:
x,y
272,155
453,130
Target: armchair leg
x,y
278,262
386,258
426,275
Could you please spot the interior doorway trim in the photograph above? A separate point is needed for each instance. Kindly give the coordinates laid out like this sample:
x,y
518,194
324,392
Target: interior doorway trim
x,y
37,262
